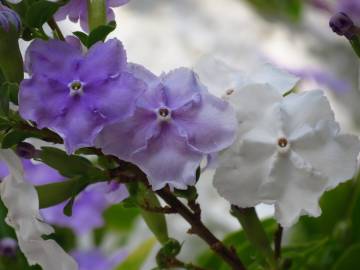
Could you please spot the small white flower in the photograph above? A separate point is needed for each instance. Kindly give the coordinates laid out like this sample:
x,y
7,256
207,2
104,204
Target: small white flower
x,y
288,152
22,202
223,79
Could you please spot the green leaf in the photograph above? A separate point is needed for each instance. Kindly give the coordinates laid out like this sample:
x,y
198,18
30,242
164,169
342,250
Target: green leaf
x,y
137,258
71,165
120,218
4,99
83,37
39,13
55,193
100,33
14,137
349,260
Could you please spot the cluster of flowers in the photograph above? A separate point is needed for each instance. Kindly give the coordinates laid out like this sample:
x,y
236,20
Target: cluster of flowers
x,y
274,146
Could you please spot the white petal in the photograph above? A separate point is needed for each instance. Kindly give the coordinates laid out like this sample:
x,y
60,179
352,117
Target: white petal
x,y
306,108
14,1
295,188
329,152
22,202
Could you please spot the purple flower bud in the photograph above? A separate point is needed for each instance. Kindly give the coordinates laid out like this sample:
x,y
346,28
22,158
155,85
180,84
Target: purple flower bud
x,y
9,18
8,247
25,150
342,25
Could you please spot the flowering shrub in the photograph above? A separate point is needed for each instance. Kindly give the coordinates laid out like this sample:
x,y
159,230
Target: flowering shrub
x,y
90,142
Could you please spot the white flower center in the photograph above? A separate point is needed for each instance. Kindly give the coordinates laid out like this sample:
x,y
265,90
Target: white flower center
x,y
164,114
283,145
76,87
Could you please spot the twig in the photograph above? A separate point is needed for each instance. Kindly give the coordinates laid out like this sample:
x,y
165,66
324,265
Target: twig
x,y
277,241
54,26
198,228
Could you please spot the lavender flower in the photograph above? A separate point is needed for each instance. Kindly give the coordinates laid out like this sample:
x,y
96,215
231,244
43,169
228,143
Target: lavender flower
x,y
8,247
175,124
77,10
76,94
350,8
342,25
95,259
8,19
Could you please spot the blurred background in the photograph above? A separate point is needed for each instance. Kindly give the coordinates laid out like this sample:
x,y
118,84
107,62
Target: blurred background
x,y
166,34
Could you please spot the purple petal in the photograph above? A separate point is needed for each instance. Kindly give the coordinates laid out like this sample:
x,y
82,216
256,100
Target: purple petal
x,y
73,9
53,59
124,138
167,159
117,3
115,98
103,60
33,93
210,125
142,73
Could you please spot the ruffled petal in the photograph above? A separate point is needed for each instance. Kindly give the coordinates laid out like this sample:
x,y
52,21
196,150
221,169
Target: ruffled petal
x,y
129,136
329,152
167,159
48,58
307,108
103,61
23,215
209,124
33,92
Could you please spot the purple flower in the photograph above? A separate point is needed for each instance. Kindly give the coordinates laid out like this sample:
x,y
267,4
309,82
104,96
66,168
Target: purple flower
x,y
76,94
175,124
9,18
88,206
8,247
350,8
342,25
95,259
78,9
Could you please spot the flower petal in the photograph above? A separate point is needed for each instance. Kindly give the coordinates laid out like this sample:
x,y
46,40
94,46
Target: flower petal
x,y
47,58
167,159
103,60
329,152
210,125
23,215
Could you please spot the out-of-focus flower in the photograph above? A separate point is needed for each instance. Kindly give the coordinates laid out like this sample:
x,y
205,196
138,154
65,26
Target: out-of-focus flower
x,y
350,8
221,78
288,152
8,19
342,25
89,205
76,94
95,259
25,150
77,10
21,200
8,247
175,124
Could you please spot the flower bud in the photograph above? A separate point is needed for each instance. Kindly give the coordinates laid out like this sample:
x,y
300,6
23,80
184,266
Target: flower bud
x,y
11,63
342,25
8,247
26,150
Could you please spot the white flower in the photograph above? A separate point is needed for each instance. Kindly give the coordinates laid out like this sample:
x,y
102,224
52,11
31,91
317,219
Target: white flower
x,y
221,78
22,202
288,152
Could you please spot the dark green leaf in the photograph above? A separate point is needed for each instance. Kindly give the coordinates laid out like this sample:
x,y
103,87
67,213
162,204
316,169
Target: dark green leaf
x,y
349,260
83,37
40,12
14,137
100,33
4,99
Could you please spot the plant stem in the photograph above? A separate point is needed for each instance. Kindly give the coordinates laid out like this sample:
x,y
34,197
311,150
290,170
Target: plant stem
x,y
277,241
54,26
198,228
96,13
255,232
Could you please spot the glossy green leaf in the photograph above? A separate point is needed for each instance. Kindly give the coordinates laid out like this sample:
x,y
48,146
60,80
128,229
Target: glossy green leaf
x,y
40,12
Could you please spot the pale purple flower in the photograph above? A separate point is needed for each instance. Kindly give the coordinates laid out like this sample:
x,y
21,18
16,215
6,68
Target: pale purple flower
x,y
175,124
9,18
350,8
76,94
89,205
77,10
95,259
8,247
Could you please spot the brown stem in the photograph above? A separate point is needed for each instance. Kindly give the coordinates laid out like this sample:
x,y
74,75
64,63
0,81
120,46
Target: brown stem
x,y
277,241
54,26
198,228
